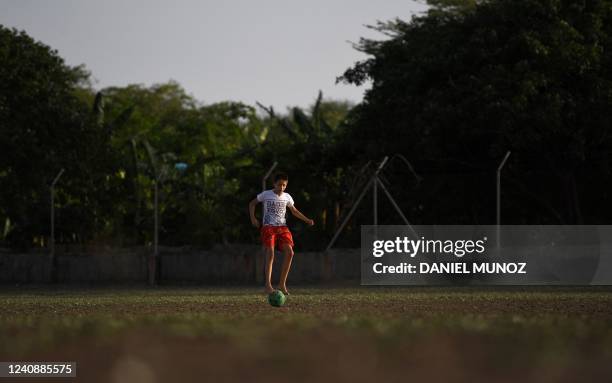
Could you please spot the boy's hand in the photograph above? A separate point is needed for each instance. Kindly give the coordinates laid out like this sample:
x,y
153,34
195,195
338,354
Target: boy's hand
x,y
310,222
255,222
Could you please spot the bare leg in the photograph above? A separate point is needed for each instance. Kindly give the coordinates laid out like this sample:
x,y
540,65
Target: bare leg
x,y
288,251
269,252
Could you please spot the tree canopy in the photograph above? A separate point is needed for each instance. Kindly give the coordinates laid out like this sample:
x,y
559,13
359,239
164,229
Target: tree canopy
x,y
115,143
455,89
43,127
452,90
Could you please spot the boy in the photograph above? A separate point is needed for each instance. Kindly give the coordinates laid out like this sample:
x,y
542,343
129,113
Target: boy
x,y
274,229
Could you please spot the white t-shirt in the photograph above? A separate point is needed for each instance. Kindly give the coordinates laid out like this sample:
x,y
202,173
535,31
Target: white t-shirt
x,y
275,207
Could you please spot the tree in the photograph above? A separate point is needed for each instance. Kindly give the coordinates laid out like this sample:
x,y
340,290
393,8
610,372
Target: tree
x,y
164,125
43,127
455,88
113,143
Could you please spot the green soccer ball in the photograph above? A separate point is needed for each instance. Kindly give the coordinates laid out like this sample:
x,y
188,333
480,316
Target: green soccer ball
x,y
277,298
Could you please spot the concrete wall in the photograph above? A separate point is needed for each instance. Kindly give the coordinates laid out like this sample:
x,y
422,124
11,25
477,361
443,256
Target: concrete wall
x,y
221,265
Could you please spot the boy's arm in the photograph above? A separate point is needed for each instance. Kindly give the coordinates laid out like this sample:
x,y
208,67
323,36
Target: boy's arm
x,y
299,215
252,205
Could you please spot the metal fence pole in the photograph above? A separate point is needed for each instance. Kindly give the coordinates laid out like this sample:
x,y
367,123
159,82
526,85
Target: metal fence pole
x,y
499,169
52,238
263,180
154,259
350,213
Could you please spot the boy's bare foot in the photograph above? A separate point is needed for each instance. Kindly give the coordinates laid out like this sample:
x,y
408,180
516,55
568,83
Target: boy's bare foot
x,y
283,289
269,289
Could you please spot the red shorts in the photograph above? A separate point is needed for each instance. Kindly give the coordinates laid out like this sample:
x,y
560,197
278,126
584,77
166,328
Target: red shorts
x,y
279,235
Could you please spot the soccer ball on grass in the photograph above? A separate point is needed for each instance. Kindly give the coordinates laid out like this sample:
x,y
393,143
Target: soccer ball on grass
x,y
277,298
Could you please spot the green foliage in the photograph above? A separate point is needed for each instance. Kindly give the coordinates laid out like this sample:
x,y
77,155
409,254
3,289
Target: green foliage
x,y
166,126
43,128
117,142
446,5
453,91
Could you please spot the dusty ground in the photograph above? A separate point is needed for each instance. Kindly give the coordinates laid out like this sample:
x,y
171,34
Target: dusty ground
x,y
321,334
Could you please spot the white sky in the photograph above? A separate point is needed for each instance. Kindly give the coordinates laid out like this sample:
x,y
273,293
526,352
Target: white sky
x,y
277,52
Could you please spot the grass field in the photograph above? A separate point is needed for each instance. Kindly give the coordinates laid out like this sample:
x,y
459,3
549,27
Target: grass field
x,y
321,334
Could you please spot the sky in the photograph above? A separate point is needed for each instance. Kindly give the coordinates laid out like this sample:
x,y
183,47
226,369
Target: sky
x,y
279,53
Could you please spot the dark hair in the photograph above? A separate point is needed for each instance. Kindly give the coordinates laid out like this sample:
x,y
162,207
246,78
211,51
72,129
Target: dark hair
x,y
281,176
